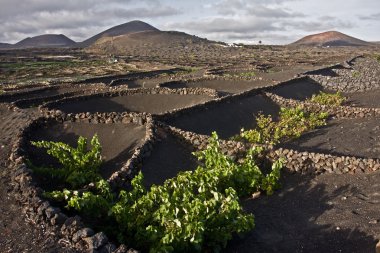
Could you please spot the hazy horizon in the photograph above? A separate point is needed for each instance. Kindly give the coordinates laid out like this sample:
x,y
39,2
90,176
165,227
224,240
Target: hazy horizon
x,y
271,21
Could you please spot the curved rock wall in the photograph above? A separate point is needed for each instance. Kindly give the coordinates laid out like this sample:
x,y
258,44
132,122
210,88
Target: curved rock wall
x,y
73,230
335,111
361,74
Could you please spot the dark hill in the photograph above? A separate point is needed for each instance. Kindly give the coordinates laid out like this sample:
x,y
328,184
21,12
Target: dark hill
x,y
123,29
332,39
46,40
5,45
149,40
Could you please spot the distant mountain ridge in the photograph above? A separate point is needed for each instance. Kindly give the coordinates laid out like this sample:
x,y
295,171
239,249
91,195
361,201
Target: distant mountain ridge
x,y
60,40
123,29
147,31
5,45
331,39
46,40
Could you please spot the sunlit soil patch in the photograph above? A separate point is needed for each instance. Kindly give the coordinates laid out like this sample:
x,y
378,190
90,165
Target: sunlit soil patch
x,y
353,137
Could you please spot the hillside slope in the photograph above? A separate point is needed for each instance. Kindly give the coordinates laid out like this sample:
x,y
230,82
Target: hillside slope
x,y
331,38
123,29
5,45
149,40
46,40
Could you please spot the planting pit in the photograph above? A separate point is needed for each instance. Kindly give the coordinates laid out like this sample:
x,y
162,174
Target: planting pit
x,y
29,94
118,141
299,89
150,103
221,85
168,158
353,137
364,99
36,96
226,117
120,79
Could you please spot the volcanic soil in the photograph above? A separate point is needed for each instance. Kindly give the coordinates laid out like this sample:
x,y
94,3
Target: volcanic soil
x,y
118,141
228,117
150,103
18,234
324,213
156,169
300,89
353,137
364,99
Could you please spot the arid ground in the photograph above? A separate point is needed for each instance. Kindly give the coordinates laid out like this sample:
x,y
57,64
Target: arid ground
x,y
193,91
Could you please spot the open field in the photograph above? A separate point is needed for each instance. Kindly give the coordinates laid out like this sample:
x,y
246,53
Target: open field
x,y
155,105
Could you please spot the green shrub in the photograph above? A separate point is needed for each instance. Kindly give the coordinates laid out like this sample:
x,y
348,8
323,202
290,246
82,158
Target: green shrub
x,y
247,74
323,98
79,166
189,69
95,204
355,74
377,57
196,211
291,124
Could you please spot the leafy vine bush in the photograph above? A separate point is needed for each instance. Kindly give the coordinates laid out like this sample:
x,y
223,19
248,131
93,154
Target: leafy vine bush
x,y
79,166
323,98
291,124
377,57
355,74
247,74
196,211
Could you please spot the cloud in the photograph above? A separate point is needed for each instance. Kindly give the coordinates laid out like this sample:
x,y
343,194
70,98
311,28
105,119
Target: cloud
x,y
321,24
374,17
239,19
258,8
220,24
141,12
272,21
76,19
247,20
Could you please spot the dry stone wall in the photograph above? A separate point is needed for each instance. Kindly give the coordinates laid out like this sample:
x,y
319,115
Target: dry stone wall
x,y
41,212
360,74
294,161
72,229
125,92
335,111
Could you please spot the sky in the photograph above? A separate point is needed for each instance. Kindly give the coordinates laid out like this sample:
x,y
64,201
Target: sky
x,y
269,21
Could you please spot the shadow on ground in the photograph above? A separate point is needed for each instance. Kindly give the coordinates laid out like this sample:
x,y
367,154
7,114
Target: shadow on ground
x,y
227,118
300,89
168,158
297,218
